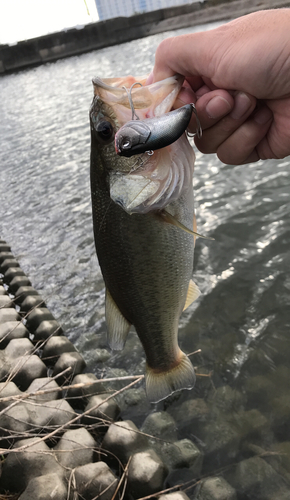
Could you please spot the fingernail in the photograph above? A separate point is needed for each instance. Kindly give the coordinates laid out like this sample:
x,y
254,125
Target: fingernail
x,y
242,105
263,115
217,107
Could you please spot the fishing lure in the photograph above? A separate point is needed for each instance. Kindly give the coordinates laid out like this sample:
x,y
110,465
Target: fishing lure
x,y
139,136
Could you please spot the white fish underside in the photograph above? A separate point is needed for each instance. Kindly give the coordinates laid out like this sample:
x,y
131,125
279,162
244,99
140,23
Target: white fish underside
x,y
145,190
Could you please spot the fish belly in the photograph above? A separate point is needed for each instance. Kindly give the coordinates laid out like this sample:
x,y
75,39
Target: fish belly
x,y
147,265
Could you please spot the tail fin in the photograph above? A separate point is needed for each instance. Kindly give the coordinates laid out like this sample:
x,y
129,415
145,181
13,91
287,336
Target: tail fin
x,y
160,385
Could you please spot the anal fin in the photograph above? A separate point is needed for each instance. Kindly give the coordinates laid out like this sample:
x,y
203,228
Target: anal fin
x,y
118,327
193,293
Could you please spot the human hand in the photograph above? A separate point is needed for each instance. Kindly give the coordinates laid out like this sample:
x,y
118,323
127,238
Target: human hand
x,y
239,77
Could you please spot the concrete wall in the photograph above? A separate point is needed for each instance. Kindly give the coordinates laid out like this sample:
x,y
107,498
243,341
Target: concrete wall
x,y
122,29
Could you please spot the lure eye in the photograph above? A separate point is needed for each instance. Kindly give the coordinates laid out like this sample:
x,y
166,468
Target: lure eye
x,y
126,144
105,131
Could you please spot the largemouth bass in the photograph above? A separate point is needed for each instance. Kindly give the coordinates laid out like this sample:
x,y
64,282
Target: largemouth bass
x,y
145,258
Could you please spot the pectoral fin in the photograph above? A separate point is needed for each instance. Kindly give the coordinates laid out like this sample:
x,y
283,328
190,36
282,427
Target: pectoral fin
x,y
118,327
193,293
172,220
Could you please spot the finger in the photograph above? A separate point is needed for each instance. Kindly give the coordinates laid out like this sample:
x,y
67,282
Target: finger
x,y
243,145
185,96
214,105
216,132
211,107
187,55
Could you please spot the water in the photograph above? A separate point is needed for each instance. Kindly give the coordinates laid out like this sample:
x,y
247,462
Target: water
x,y
240,406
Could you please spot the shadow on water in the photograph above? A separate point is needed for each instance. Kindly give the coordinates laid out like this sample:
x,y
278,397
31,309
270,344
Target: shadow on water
x,y
239,411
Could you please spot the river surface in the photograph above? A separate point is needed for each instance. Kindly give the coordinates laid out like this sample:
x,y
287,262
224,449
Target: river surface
x,y
240,406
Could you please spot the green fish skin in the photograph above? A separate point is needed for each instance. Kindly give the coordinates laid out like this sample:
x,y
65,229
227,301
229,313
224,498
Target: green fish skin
x,y
146,262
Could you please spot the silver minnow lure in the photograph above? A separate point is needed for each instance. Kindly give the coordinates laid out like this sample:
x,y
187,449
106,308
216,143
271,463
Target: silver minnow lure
x,y
139,136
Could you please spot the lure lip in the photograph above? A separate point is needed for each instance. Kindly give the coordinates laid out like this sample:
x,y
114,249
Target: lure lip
x,y
140,136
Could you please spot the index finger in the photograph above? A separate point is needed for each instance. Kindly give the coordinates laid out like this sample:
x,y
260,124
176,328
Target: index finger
x,y
187,55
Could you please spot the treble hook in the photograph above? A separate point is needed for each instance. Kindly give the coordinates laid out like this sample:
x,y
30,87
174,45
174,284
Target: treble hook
x,y
198,129
129,94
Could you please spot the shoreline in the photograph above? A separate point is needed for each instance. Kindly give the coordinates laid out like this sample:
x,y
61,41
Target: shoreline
x,y
94,36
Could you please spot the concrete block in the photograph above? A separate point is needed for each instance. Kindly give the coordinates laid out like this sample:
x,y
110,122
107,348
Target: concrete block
x,y
51,414
9,315
191,414
6,301
30,302
183,453
54,347
36,459
19,347
71,360
160,424
46,329
75,448
8,390
101,355
48,487
222,441
177,495
4,365
8,262
146,474
15,421
2,289
11,272
12,330
251,424
123,439
37,316
281,416
23,292
216,488
5,254
17,282
227,399
93,479
43,384
100,411
79,396
28,369
4,247
255,479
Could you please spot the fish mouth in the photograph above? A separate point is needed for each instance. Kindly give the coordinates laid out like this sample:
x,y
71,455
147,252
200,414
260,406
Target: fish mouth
x,y
154,179
149,101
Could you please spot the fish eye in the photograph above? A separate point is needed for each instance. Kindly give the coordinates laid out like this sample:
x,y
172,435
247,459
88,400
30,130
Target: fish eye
x,y
105,131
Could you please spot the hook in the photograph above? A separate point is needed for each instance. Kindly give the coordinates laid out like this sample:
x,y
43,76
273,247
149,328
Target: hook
x,y
129,94
198,129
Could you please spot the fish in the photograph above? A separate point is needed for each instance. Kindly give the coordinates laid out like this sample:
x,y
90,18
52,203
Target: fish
x,y
139,136
140,206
